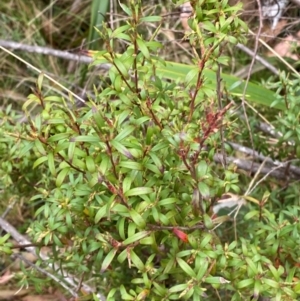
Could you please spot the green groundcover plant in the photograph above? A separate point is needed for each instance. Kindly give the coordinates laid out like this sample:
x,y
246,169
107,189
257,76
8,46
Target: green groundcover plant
x,y
131,183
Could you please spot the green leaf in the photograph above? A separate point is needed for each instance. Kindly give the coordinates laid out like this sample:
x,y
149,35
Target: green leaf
x,y
71,150
40,161
93,181
61,146
30,99
252,266
186,268
53,98
204,190
120,66
78,163
257,287
215,280
191,76
87,139
168,201
121,149
59,137
122,256
127,183
251,214
111,294
202,169
100,214
147,241
118,30
125,295
131,165
170,265
142,46
98,118
51,164
136,260
135,237
137,218
40,81
202,269
296,288
274,272
208,221
118,83
5,249
56,121
4,238
123,116
138,191
125,9
245,283
205,240
178,288
26,147
99,9
108,259
61,176
255,92
90,164
232,246
124,133
104,165
151,19
153,168
121,227
209,26
141,120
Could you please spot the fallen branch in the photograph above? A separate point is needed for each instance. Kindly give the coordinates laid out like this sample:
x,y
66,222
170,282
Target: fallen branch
x,y
278,170
274,163
50,51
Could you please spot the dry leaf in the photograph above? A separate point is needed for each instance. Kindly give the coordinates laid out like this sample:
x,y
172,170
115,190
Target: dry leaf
x,y
6,277
285,48
12,294
228,200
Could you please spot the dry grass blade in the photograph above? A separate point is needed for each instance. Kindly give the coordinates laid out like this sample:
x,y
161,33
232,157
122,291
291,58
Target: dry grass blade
x,y
40,71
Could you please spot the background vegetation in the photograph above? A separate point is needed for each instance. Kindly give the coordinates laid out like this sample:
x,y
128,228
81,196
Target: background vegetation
x,y
126,192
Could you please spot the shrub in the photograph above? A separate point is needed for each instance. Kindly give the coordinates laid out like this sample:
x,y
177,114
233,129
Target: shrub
x,y
132,183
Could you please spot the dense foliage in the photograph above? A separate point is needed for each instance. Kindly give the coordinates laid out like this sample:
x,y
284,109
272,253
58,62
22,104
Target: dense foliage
x,y
125,186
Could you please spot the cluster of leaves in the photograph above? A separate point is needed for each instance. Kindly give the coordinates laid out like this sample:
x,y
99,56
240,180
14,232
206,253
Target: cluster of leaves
x,y
130,185
16,174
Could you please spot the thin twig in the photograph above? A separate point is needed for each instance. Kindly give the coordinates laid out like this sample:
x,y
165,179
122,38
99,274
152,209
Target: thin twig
x,y
40,71
22,240
250,68
266,127
278,55
264,177
258,59
220,107
43,271
251,184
